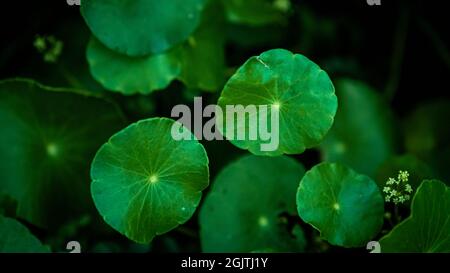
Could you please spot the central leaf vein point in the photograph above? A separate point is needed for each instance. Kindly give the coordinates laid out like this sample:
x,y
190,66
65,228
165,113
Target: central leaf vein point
x,y
153,179
263,221
336,206
52,150
276,105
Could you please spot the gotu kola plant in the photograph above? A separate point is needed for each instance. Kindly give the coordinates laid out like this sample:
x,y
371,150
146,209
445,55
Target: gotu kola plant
x,y
119,24
17,239
302,93
345,206
373,127
329,196
51,132
144,183
244,210
129,75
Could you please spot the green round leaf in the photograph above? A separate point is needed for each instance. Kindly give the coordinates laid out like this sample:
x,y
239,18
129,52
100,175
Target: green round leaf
x,y
144,183
199,62
244,209
130,75
347,208
142,27
49,136
427,229
15,238
303,93
362,135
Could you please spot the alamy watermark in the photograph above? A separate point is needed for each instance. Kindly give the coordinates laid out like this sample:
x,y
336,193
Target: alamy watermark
x,y
73,2
235,122
74,247
374,2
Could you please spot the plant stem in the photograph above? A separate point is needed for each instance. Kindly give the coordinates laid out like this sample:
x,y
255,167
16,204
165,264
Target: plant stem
x,y
437,42
398,53
397,217
390,222
187,231
71,79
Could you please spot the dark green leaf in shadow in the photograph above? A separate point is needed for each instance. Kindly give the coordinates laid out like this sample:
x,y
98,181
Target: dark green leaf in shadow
x,y
203,56
362,135
243,210
15,238
48,139
251,37
427,133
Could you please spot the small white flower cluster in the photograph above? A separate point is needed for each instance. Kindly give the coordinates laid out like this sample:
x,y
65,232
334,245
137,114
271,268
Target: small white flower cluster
x,y
49,47
398,190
